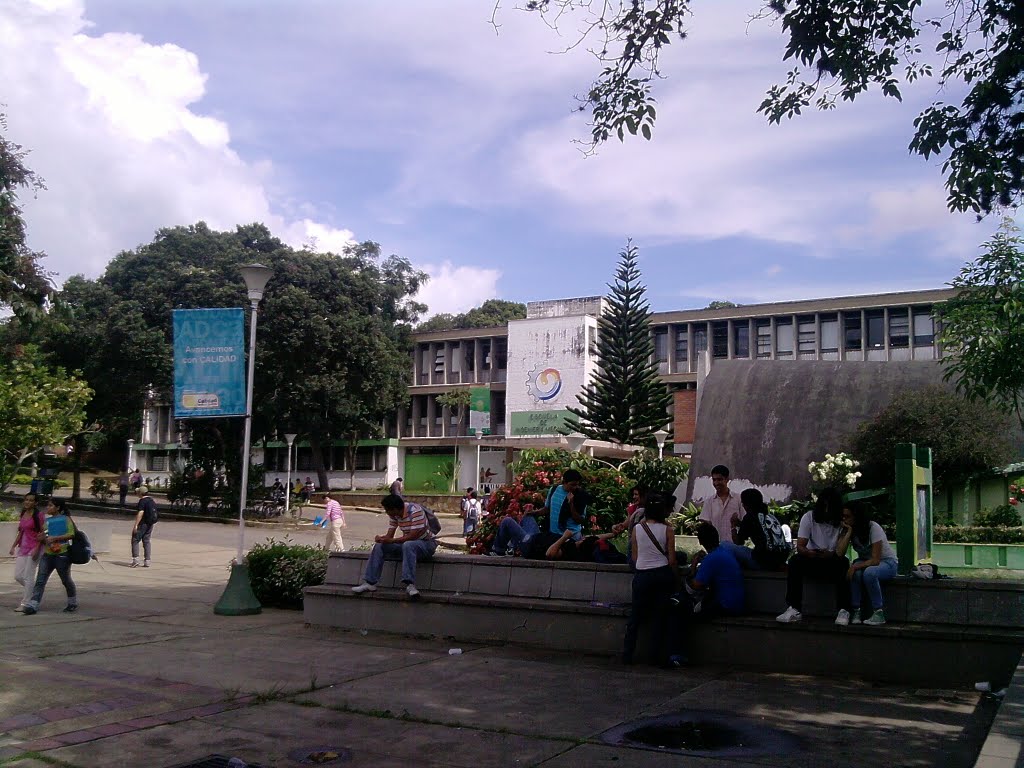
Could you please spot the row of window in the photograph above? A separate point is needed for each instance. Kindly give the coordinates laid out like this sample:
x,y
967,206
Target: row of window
x,y
463,357
857,331
368,459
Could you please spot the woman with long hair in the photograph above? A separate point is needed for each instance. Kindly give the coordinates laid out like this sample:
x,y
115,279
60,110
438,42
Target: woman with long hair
x,y
56,556
26,548
653,544
876,562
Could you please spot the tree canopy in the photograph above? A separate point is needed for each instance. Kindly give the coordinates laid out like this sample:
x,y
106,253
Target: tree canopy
x,y
626,402
24,286
493,313
840,50
983,326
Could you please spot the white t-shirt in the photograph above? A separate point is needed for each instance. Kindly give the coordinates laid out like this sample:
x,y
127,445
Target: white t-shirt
x,y
648,556
818,535
875,533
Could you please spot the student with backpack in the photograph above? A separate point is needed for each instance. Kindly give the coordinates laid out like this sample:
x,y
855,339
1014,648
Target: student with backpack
x,y
418,526
27,548
56,541
763,529
145,519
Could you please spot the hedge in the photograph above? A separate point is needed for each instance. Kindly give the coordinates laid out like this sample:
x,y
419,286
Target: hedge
x,y
976,534
279,570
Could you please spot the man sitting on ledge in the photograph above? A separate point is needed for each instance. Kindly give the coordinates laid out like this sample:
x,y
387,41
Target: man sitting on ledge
x,y
535,544
416,543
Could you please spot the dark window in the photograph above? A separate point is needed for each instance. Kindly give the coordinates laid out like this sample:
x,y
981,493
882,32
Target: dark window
x,y
501,353
469,350
364,459
829,333
806,335
661,345
700,339
497,407
924,328
764,337
852,330
741,339
876,329
485,352
899,328
682,346
784,337
720,339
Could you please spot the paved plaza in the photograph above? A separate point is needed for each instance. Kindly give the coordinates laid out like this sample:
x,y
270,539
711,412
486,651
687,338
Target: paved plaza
x,y
146,675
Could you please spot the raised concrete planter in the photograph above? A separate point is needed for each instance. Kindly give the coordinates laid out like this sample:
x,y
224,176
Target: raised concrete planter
x,y
99,533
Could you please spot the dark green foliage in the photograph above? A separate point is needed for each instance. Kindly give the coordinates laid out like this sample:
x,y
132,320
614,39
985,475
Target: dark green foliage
x,y
965,437
279,570
970,534
655,474
842,49
493,313
983,327
721,305
1003,516
626,402
24,285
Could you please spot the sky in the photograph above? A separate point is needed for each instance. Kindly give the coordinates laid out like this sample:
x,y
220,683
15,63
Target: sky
x,y
450,142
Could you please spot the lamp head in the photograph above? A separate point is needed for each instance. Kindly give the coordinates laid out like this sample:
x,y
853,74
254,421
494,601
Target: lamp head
x,y
290,437
575,442
660,437
256,277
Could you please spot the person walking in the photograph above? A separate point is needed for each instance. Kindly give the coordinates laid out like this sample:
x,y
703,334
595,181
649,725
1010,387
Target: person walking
x,y
471,512
27,548
335,522
56,543
123,483
146,518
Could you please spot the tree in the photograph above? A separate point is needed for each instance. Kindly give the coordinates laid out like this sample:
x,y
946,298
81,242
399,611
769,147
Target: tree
x,y
24,286
457,401
39,406
493,313
983,326
846,47
626,402
965,437
721,305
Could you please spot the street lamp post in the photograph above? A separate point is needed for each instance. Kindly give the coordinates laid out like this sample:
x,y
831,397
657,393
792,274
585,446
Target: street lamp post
x,y
238,598
131,444
290,437
660,437
476,478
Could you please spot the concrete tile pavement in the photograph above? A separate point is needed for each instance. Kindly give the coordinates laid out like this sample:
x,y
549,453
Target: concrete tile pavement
x,y
146,675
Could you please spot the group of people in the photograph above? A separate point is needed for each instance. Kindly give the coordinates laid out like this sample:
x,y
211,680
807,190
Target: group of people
x,y
42,545
128,480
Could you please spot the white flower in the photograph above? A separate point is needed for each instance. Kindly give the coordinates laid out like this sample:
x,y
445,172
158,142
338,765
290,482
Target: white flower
x,y
851,479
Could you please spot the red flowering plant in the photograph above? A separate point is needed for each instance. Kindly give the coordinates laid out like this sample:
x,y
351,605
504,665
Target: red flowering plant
x,y
1017,492
536,471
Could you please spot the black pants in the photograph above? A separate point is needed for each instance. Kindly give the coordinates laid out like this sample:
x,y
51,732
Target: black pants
x,y
651,592
124,493
832,569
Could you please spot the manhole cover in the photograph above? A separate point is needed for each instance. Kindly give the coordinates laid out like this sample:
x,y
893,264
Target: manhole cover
x,y
216,761
329,755
715,734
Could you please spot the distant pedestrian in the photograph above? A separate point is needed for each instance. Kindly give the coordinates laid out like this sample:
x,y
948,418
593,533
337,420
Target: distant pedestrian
x,y
398,488
473,512
123,484
277,491
136,479
56,545
27,548
145,519
335,522
308,489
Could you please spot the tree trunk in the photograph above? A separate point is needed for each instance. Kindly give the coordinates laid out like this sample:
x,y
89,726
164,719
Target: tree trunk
x,y
351,449
317,456
76,463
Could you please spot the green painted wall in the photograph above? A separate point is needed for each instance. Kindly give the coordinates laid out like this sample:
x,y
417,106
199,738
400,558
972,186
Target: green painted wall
x,y
421,471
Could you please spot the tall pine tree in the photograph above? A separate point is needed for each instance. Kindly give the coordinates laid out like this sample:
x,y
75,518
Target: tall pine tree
x,y
625,402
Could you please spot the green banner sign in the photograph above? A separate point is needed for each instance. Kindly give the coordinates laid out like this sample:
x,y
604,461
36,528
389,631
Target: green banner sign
x,y
529,423
480,410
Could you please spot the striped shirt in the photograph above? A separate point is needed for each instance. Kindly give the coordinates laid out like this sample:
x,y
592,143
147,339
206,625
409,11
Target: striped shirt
x,y
413,523
333,510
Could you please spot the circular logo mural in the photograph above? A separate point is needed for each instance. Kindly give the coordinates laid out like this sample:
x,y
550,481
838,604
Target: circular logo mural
x,y
545,384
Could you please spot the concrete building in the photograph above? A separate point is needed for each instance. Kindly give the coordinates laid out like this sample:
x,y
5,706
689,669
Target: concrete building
x,y
527,373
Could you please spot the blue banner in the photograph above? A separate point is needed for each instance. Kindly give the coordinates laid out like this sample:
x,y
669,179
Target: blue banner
x,y
209,363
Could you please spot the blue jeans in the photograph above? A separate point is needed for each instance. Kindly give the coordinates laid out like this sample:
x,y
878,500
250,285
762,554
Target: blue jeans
x,y
409,552
49,563
870,578
516,534
744,555
469,525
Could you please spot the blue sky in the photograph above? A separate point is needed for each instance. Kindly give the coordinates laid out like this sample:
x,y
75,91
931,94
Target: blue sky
x,y
419,126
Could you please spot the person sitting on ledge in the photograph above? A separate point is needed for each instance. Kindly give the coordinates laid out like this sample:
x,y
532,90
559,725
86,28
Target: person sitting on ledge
x,y
532,543
416,543
566,505
876,562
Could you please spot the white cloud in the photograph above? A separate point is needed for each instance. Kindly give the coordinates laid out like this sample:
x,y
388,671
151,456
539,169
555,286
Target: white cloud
x,y
457,288
115,130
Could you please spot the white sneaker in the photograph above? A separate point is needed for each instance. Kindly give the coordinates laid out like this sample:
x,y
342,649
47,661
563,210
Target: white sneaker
x,y
855,616
411,591
843,617
876,619
789,616
364,587
20,609
145,563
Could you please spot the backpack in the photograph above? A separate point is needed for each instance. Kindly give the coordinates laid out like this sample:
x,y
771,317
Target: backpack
x,y
433,524
775,540
80,550
464,507
150,514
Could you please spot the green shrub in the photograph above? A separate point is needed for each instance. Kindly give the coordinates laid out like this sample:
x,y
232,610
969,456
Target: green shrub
x,y
8,515
279,570
1003,516
973,534
655,474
